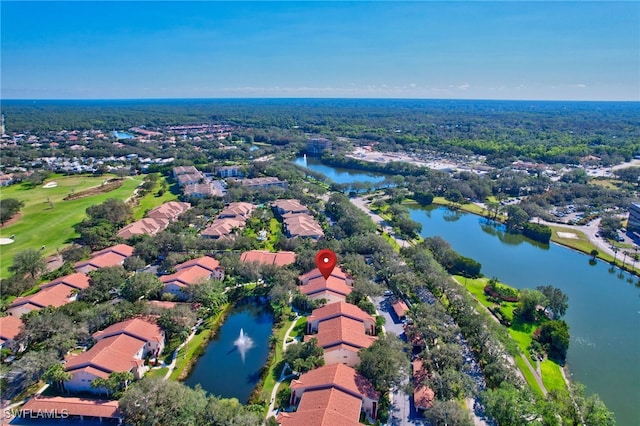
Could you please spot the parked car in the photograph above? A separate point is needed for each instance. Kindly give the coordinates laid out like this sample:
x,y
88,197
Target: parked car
x,y
388,293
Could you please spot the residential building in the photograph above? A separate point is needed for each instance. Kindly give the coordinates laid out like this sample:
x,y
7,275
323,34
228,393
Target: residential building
x,y
111,256
341,338
54,295
189,273
340,309
331,395
316,146
223,228
76,280
10,327
74,409
264,257
138,328
203,190
282,207
633,224
400,308
302,225
237,210
169,211
119,353
229,171
146,226
190,179
264,183
423,395
184,170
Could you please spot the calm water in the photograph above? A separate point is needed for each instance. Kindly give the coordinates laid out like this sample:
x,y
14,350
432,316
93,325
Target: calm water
x,y
221,370
338,175
604,308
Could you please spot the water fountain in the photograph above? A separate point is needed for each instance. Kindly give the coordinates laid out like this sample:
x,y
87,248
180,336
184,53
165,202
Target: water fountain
x,y
243,343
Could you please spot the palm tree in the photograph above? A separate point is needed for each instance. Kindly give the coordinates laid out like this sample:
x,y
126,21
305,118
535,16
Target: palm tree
x,y
594,254
615,251
57,375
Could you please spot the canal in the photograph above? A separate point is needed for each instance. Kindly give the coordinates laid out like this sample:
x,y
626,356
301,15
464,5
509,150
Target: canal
x,y
604,304
230,366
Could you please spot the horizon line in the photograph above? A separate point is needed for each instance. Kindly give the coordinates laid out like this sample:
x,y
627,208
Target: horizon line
x,y
314,98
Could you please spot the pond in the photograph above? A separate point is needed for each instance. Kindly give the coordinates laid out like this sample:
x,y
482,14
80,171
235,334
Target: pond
x,y
604,304
230,366
339,175
122,135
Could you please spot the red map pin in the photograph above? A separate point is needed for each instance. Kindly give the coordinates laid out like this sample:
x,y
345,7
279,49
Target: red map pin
x,y
325,261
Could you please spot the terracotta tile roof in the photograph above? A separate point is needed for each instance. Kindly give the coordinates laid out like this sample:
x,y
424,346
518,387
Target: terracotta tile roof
x,y
336,375
115,353
332,284
73,406
422,395
302,225
221,228
76,280
288,206
315,273
181,170
186,178
233,210
168,211
327,407
205,262
264,257
205,189
56,296
121,249
339,309
135,327
146,226
400,308
188,276
111,256
341,330
9,327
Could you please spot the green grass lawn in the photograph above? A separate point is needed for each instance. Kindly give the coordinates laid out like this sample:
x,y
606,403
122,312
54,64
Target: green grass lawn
x,y
468,207
198,343
157,372
151,200
40,225
522,334
270,380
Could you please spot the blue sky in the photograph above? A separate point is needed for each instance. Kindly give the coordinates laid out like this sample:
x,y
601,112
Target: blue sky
x,y
458,50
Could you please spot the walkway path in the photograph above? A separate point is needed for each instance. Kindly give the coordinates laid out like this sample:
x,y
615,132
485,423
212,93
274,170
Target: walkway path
x,y
536,375
271,411
172,366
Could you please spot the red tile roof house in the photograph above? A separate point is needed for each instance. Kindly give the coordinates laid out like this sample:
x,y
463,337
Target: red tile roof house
x,y
233,210
140,329
146,226
282,207
341,338
120,347
10,327
169,211
400,308
190,178
184,170
422,395
117,353
302,225
111,256
328,391
334,289
222,228
190,273
340,309
55,293
264,257
73,408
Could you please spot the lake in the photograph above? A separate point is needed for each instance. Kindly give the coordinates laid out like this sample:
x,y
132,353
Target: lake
x,y
122,135
339,175
230,368
604,308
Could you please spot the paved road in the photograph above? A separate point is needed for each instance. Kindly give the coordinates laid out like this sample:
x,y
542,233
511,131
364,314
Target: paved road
x,y
363,205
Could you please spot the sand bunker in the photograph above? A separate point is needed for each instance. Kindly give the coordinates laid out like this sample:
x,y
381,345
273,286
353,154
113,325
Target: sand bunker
x,y
5,241
568,235
50,185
